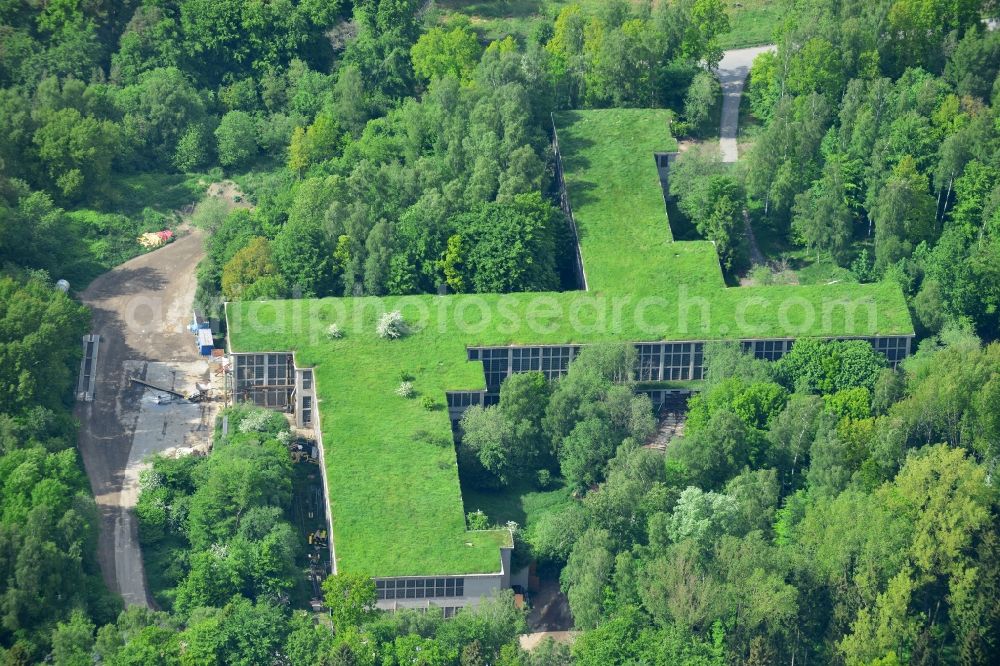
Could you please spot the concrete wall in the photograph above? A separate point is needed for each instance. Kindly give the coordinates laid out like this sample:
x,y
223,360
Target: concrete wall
x,y
305,394
476,588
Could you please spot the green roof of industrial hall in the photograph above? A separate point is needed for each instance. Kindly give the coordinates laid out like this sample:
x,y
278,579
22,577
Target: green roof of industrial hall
x,y
395,498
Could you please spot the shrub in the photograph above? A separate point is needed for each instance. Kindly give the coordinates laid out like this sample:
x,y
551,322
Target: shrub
x,y
428,403
255,422
544,478
478,520
333,332
405,390
761,274
247,418
391,325
210,213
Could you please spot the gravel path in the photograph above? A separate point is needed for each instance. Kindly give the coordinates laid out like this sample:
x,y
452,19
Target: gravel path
x,y
733,71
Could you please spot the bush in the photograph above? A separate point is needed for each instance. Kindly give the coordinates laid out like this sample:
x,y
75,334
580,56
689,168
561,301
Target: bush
x,y
702,97
478,520
428,403
254,422
544,478
236,137
391,325
210,213
405,390
333,332
818,366
248,418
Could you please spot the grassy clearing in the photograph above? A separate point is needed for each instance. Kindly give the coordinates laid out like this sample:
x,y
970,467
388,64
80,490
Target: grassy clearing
x,y
752,21
523,503
495,19
395,495
100,239
162,192
262,182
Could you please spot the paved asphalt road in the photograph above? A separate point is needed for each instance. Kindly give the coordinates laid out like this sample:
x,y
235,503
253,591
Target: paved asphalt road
x,y
733,71
141,310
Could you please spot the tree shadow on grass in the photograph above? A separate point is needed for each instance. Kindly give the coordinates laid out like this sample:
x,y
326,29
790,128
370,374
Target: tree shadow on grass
x,y
492,9
571,149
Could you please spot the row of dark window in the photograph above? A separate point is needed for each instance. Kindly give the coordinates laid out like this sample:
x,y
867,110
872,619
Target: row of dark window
x,y
420,588
263,370
500,362
769,350
666,361
895,349
272,398
463,398
669,361
446,611
660,397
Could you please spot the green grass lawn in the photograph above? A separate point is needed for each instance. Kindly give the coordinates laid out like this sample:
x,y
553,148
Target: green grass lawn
x,y
395,496
100,238
609,168
495,19
522,502
163,192
752,21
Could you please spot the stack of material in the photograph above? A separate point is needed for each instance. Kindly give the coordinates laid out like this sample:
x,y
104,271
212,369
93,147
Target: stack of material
x,y
156,238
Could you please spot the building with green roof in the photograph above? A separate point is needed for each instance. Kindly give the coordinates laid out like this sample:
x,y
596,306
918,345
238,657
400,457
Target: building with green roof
x,y
389,465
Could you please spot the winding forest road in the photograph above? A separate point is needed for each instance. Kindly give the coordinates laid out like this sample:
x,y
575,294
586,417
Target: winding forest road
x,y
141,310
733,70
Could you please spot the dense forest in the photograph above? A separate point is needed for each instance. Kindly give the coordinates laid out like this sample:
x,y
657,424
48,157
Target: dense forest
x,y
819,509
811,511
876,156
383,154
48,518
408,177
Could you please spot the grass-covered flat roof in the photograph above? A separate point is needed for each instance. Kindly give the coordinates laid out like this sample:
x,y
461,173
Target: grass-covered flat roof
x,y
614,189
394,491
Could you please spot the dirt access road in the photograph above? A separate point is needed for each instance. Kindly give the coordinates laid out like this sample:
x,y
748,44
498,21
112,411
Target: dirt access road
x,y
733,71
141,310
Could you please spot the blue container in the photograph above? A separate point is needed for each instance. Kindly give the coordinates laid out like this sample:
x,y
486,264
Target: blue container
x,y
205,341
